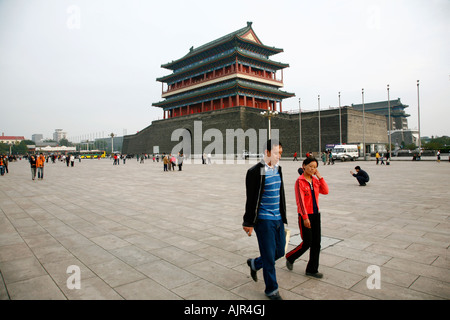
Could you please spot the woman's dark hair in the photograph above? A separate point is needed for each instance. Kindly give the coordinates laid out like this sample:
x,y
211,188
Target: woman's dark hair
x,y
309,160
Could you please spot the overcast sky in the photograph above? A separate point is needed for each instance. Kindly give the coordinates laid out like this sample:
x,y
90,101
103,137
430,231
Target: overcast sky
x,y
89,67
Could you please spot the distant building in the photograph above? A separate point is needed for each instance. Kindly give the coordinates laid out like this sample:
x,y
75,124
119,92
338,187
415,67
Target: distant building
x,y
399,119
59,134
107,144
37,137
404,137
224,87
234,70
11,139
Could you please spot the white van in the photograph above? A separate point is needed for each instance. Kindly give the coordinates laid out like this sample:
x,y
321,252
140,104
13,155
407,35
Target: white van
x,y
345,152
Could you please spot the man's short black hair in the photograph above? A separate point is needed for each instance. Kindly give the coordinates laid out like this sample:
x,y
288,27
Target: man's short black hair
x,y
357,168
271,143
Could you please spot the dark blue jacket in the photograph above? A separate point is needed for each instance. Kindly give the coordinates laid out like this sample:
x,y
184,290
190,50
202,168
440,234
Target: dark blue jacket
x,y
254,184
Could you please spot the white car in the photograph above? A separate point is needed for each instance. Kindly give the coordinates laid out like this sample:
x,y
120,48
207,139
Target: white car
x,y
247,155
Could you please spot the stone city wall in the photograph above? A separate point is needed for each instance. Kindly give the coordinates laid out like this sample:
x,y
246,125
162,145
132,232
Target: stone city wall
x,y
239,123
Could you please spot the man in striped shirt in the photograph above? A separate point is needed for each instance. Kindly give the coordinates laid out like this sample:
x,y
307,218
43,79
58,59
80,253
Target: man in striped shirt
x,y
265,211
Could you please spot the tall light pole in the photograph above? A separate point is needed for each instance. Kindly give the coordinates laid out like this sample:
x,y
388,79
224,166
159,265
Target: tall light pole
x,y
364,127
320,138
389,126
418,114
340,120
112,142
269,114
300,124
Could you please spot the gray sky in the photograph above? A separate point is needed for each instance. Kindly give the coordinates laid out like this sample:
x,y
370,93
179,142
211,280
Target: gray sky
x,y
89,67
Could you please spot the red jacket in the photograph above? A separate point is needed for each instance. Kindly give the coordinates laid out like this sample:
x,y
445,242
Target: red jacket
x,y
304,197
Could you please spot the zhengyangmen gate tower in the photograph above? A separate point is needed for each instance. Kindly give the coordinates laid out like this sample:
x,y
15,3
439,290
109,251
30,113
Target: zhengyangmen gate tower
x,y
234,70
224,86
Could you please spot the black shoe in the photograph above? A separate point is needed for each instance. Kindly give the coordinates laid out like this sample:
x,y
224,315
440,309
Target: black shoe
x,y
252,272
275,296
289,265
317,275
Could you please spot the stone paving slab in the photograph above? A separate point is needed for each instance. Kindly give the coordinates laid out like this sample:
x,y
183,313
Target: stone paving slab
x,y
137,232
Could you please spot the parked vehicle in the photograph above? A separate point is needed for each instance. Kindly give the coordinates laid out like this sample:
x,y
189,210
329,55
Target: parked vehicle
x,y
247,155
345,152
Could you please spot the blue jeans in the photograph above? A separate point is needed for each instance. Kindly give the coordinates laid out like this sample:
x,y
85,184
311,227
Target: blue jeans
x,y
271,241
40,172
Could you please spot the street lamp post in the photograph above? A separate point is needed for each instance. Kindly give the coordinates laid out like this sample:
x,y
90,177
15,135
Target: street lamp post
x,y
389,120
340,120
300,124
364,127
269,114
112,142
320,138
418,114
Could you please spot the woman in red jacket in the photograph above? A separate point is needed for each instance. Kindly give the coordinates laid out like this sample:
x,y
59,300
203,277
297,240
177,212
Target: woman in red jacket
x,y
307,189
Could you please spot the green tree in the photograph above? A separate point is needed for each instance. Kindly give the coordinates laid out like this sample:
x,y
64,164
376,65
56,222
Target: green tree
x,y
65,142
411,146
438,143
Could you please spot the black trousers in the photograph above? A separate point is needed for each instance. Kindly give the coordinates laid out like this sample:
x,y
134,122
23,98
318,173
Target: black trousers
x,y
311,240
362,181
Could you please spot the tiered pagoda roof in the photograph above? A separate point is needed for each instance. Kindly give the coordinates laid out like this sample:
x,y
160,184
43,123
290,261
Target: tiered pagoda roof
x,y
381,107
233,66
244,38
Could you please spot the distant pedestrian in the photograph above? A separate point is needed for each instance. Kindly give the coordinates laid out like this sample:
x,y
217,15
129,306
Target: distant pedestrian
x,y
173,162
40,166
295,156
166,162
330,158
33,166
324,158
360,175
439,156
2,165
180,161
72,160
377,157
5,164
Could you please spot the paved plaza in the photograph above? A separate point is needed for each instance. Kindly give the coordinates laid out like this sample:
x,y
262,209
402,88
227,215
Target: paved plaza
x,y
136,232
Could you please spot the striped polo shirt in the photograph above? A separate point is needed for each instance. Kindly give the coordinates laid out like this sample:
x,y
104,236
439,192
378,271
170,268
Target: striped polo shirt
x,y
270,198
